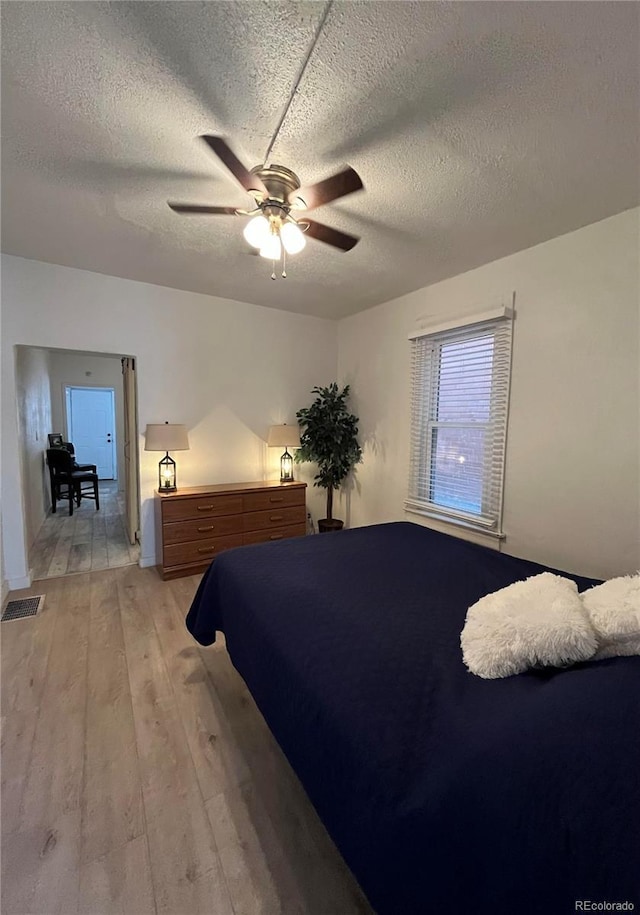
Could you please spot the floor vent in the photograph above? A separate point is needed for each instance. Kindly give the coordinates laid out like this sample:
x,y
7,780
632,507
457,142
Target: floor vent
x,y
18,609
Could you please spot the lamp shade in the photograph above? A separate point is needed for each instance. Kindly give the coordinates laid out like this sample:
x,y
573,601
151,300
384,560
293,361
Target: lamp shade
x,y
292,238
257,231
271,247
282,436
166,437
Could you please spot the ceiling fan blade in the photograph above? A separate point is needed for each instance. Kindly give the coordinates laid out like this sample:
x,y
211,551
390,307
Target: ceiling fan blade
x,y
248,181
339,185
331,236
193,209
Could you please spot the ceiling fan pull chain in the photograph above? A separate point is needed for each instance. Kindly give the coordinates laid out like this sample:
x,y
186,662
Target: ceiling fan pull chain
x,y
273,270
284,263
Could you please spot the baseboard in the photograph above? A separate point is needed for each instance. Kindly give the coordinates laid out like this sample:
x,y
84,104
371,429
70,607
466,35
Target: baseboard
x,y
145,561
16,584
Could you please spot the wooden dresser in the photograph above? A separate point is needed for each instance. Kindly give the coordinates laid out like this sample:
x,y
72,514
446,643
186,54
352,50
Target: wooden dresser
x,y
196,523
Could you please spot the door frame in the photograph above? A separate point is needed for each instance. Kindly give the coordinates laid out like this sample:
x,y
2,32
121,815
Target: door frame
x,y
68,388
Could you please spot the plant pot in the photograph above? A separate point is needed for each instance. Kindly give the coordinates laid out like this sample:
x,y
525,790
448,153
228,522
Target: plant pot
x,y
329,524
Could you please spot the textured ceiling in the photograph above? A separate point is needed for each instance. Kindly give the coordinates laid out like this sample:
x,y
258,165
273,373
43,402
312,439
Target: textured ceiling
x,y
479,129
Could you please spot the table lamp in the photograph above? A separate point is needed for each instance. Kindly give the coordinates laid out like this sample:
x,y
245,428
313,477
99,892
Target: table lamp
x,y
282,437
166,437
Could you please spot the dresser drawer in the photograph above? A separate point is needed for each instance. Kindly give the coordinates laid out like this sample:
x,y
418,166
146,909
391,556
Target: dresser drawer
x,y
280,533
275,498
276,517
199,550
203,507
202,529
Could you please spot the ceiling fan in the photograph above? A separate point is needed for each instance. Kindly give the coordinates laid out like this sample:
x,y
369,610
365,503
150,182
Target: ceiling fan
x,y
276,192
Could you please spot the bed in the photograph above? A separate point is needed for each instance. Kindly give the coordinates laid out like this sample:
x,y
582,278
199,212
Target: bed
x,y
445,793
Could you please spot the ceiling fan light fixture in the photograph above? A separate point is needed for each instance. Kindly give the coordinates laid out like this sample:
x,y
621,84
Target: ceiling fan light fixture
x,y
271,229
257,231
271,248
292,238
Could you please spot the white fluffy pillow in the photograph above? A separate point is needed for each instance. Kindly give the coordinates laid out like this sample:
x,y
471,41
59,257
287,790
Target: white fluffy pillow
x,y
537,622
614,610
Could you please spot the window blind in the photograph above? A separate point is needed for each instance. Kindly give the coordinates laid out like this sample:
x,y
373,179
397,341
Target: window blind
x,y
459,407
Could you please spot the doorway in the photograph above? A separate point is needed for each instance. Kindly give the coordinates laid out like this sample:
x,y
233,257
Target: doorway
x,y
91,424
59,544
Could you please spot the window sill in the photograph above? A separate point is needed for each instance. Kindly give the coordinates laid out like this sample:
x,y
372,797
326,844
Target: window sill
x,y
457,527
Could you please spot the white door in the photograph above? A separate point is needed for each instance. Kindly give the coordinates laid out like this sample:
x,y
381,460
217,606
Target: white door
x,y
91,423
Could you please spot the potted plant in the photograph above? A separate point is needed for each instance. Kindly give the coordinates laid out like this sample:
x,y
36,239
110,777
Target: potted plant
x,y
328,437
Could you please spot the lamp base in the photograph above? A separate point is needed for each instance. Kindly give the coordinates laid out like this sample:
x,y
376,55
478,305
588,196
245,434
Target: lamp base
x,y
167,474
286,467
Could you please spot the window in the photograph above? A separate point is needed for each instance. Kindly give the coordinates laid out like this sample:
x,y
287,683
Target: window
x,y
460,397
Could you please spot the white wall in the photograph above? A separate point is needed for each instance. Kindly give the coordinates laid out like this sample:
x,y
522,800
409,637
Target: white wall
x,y
572,496
229,370
226,369
3,581
85,370
34,422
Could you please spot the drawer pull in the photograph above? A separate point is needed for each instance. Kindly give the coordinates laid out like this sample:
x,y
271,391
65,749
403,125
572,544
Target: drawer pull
x,y
276,499
208,527
204,508
276,537
206,549
275,518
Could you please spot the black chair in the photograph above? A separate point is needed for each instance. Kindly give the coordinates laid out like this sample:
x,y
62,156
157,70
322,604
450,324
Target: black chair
x,y
69,483
92,468
56,441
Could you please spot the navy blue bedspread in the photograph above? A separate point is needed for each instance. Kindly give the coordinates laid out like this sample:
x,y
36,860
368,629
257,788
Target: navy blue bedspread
x,y
446,794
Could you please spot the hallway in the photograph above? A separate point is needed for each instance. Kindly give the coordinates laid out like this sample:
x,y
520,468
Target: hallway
x,y
87,541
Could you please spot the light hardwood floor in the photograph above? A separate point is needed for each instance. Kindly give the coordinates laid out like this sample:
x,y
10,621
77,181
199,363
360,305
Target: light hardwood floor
x,y
137,774
86,541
